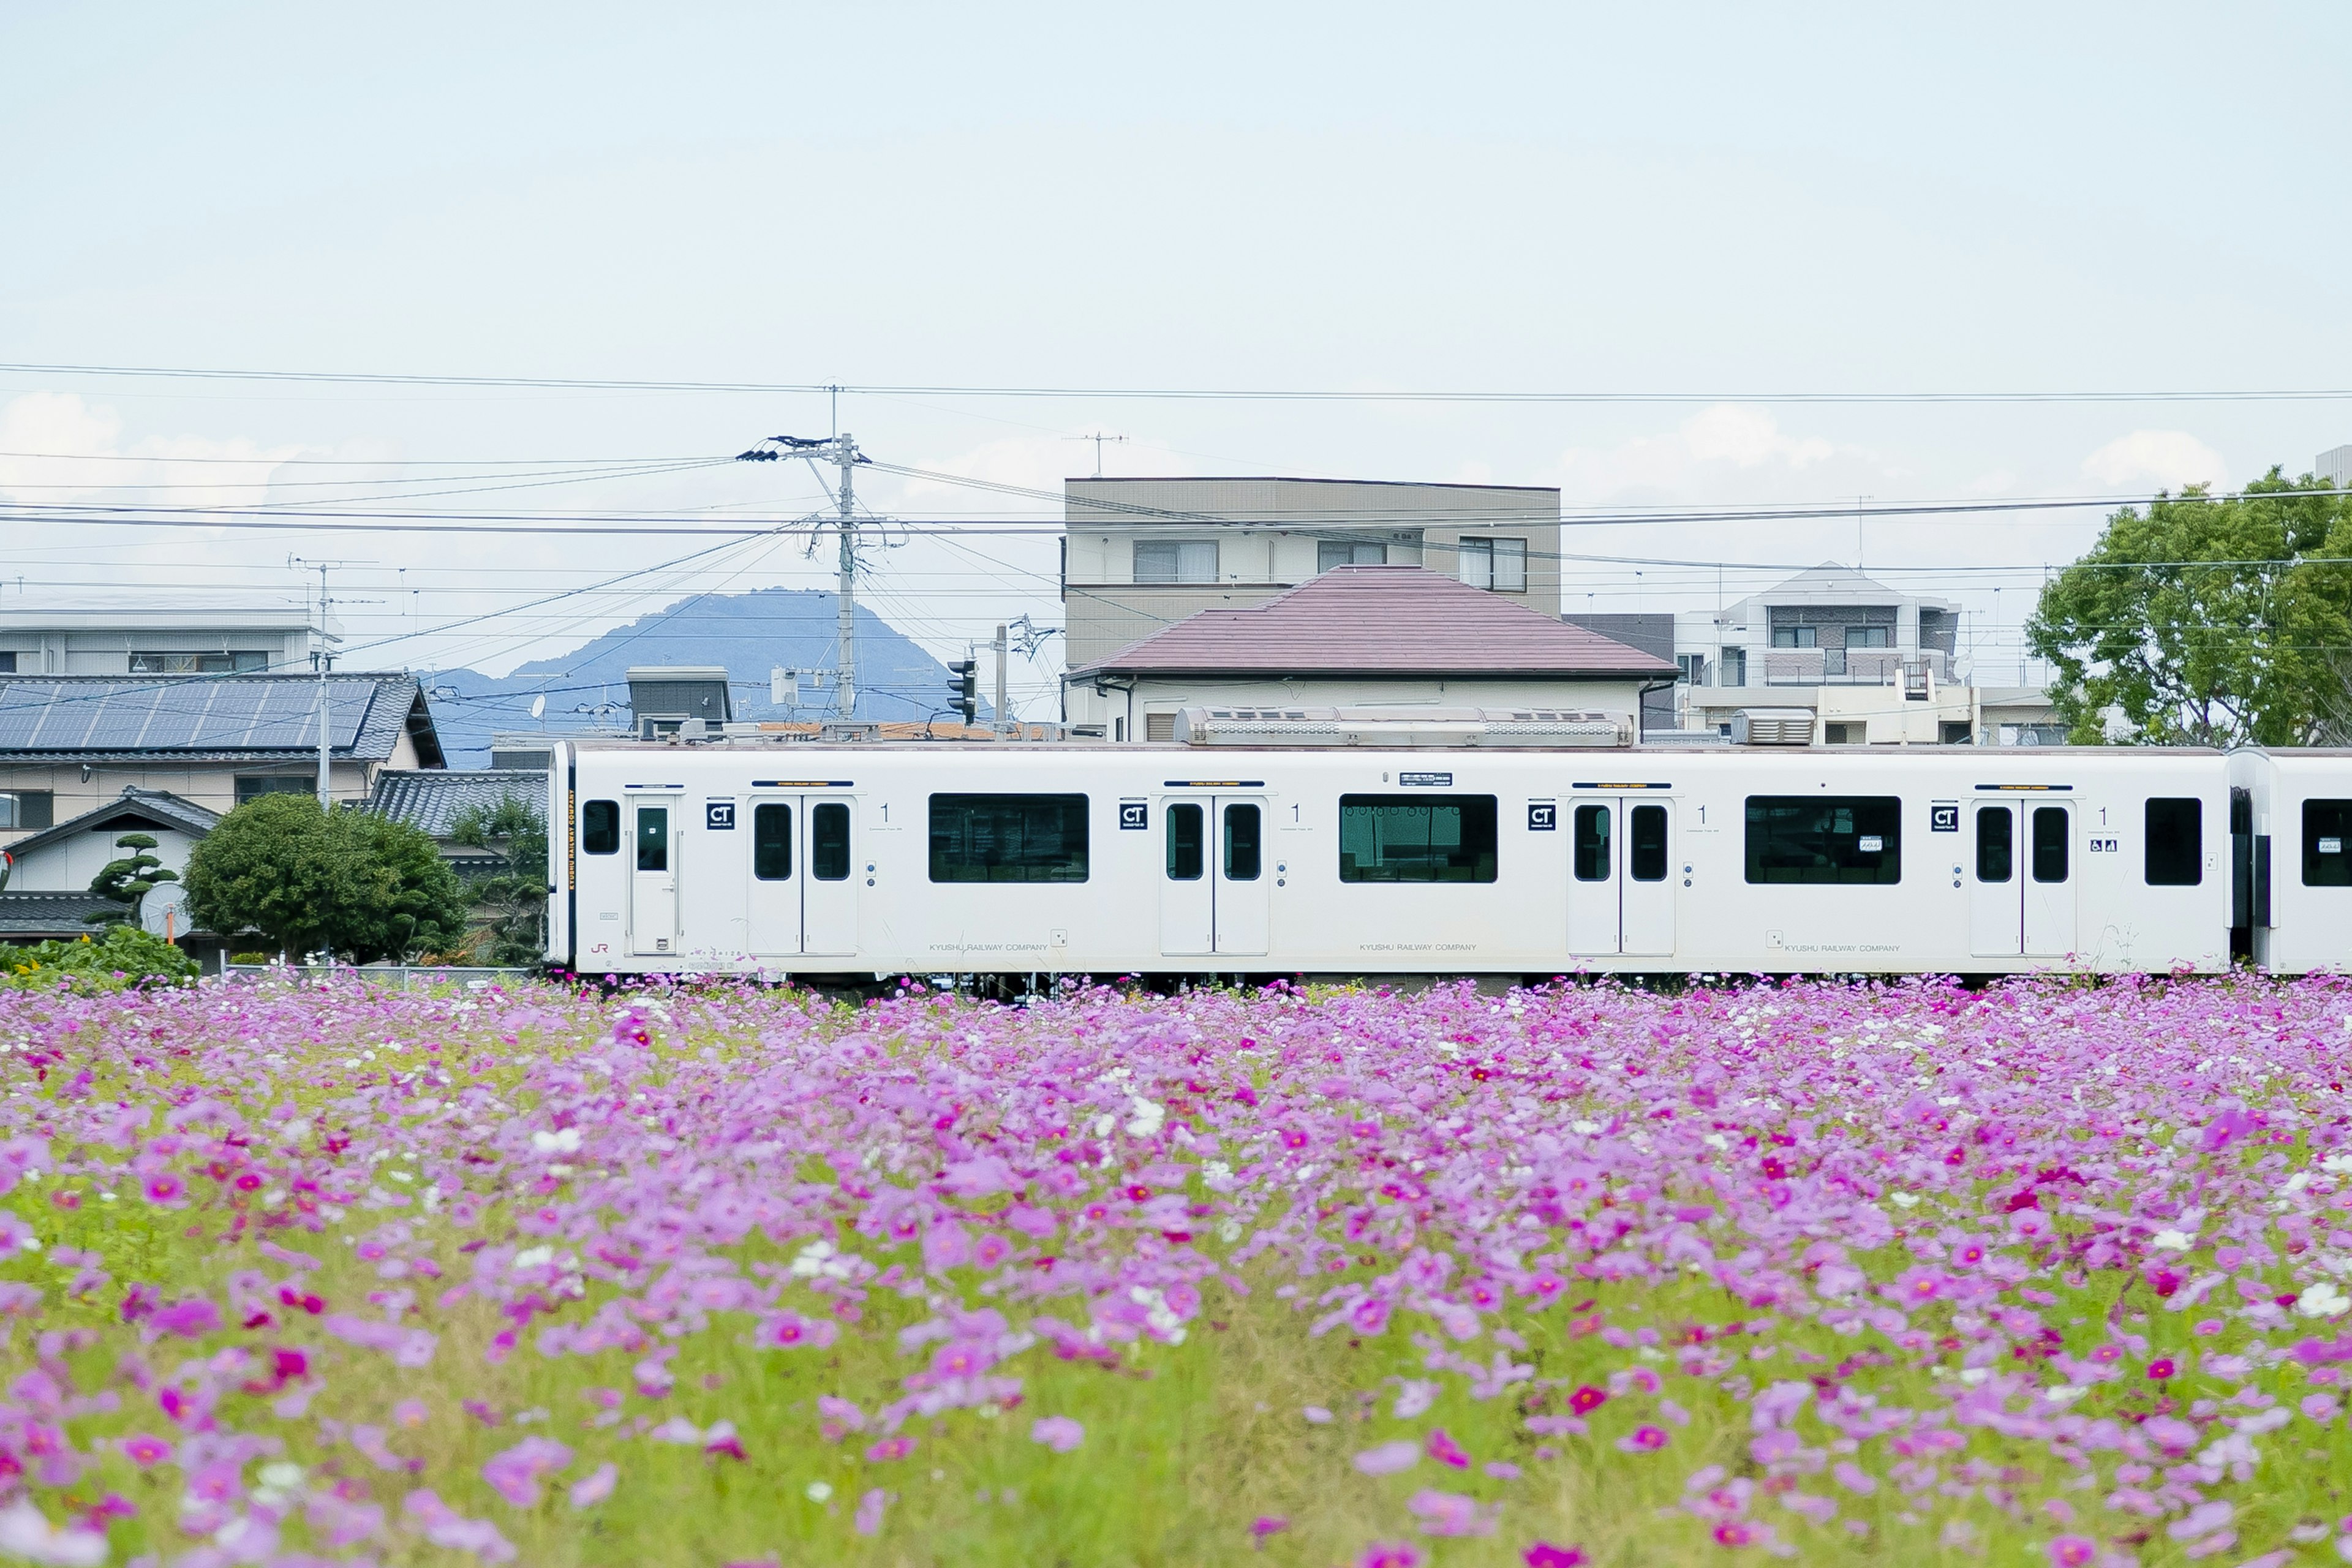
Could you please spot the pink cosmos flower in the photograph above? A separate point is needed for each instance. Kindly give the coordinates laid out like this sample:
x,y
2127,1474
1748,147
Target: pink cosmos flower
x,y
164,1187
1267,1524
1445,1450
870,1511
594,1488
789,1330
2072,1552
1644,1440
890,1448
191,1319
1385,1555
410,1412
145,1451
1389,1458
514,1474
1450,1513
1544,1555
1058,1433
2160,1368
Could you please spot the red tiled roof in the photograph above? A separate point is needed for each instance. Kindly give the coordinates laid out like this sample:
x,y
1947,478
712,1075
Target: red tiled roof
x,y
1380,620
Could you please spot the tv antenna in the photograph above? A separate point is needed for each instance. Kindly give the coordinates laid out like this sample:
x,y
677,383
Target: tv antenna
x,y
1098,438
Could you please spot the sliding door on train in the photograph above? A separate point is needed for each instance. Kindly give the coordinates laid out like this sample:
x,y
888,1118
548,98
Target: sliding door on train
x,y
1212,875
653,880
2022,898
803,885
1621,896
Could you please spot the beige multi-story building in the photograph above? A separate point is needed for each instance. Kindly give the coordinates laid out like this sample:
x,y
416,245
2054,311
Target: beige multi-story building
x,y
1141,554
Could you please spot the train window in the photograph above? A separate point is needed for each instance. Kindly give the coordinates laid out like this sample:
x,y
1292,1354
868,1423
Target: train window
x,y
1242,842
1185,851
2176,843
1008,838
1645,857
1995,841
829,842
600,826
2049,843
653,838
1848,840
1414,839
2326,828
772,842
1590,850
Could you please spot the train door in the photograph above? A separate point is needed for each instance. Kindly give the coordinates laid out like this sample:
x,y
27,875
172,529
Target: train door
x,y
1621,896
2048,885
1212,896
653,881
2022,898
804,882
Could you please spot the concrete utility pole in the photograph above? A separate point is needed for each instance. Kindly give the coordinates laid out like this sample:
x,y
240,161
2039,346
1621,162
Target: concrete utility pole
x,y
1003,657
841,450
326,709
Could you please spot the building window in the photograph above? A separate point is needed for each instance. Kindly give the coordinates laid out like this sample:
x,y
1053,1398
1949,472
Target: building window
x,y
1870,637
2326,826
1843,839
27,808
2176,843
1844,734
600,826
1412,839
258,784
245,661
1735,668
1008,838
1498,564
8,664
1693,666
1796,637
1330,553
1175,559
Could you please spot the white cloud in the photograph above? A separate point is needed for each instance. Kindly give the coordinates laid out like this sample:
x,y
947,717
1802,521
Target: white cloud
x,y
1719,440
2161,458
55,448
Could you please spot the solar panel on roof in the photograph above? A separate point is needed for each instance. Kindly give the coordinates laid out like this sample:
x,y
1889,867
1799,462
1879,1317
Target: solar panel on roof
x,y
211,715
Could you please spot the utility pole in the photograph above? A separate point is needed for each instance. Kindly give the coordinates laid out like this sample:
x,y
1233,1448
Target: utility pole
x,y
326,709
1003,657
841,450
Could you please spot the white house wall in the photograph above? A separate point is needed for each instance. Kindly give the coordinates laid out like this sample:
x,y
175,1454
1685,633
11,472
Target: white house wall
x,y
68,865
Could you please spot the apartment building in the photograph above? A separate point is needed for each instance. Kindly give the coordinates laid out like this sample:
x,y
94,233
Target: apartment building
x,y
1141,554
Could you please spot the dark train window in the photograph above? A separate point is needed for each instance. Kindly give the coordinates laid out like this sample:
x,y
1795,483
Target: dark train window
x,y
600,826
653,838
1186,850
1008,838
1242,853
2326,828
2176,843
829,842
1646,856
1415,838
772,842
1589,846
1853,840
2049,843
1995,843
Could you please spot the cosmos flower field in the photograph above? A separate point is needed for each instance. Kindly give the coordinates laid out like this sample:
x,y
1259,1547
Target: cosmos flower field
x,y
2042,1273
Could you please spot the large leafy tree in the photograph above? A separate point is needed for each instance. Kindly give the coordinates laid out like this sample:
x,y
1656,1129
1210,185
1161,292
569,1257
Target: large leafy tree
x,y
347,882
2207,620
514,901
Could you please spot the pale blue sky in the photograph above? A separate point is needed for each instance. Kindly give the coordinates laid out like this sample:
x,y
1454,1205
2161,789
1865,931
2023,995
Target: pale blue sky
x,y
1694,198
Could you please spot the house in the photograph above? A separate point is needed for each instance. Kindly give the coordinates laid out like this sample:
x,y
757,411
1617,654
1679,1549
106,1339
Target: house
x,y
73,743
1140,554
1355,636
179,639
434,799
44,877
1878,666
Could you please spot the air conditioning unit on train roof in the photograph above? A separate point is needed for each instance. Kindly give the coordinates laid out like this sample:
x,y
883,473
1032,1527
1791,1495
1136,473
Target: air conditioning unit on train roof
x,y
1772,727
1272,726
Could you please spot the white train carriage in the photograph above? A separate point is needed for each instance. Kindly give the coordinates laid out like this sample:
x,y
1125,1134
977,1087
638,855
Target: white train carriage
x,y
2293,908
873,859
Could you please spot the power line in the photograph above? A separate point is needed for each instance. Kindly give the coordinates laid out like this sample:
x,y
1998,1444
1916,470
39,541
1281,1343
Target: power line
x,y
1177,394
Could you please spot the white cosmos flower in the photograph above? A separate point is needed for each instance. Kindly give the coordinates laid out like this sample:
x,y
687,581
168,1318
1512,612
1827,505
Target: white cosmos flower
x,y
2323,1300
2172,1240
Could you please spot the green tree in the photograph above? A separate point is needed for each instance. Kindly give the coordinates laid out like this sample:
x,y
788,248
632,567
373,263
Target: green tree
x,y
129,880
2207,620
348,882
514,901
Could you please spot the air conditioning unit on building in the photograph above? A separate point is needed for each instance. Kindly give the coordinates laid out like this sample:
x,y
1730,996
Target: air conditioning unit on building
x,y
1772,727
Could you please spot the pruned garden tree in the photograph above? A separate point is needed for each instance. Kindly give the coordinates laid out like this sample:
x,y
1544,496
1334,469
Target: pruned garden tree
x,y
349,883
125,881
2207,620
513,902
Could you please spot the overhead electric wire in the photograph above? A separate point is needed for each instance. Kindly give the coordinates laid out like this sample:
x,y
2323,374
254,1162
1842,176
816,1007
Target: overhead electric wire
x,y
1179,393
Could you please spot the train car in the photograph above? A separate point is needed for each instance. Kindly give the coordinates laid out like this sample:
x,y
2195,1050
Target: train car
x,y
1254,847
2294,910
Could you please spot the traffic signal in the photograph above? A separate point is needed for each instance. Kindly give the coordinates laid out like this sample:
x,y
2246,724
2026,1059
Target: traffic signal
x,y
964,682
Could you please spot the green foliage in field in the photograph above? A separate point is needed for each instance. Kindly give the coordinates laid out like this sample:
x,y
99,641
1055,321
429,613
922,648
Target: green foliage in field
x,y
124,956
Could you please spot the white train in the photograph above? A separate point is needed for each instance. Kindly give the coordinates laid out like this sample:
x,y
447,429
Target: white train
x,y
1465,843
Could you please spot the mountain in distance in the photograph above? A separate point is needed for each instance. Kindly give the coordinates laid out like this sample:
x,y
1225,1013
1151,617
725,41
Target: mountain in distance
x,y
746,633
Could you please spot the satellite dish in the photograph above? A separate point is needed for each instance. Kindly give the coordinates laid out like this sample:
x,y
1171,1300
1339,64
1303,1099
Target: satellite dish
x,y
164,912
538,706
